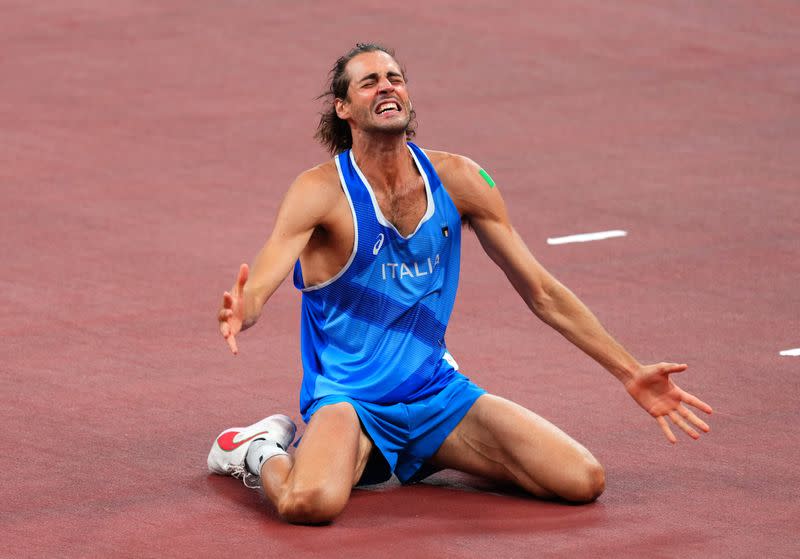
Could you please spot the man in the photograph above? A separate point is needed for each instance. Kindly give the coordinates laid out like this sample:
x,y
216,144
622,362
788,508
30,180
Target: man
x,y
374,239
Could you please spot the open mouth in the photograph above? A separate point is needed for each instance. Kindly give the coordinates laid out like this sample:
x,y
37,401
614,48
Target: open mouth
x,y
387,106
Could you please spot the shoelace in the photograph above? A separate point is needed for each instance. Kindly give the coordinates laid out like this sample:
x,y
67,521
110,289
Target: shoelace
x,y
241,472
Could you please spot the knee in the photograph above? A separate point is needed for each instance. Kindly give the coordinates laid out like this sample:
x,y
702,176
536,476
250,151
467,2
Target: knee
x,y
588,484
314,505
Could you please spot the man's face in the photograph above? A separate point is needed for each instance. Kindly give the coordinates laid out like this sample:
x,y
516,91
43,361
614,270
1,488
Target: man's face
x,y
377,99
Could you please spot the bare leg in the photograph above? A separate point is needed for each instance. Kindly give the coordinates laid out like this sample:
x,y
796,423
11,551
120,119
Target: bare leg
x,y
314,485
501,440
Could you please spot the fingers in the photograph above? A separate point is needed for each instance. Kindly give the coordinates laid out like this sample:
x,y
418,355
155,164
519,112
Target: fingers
x,y
679,421
665,428
225,313
241,278
670,368
696,402
231,339
225,330
679,417
696,421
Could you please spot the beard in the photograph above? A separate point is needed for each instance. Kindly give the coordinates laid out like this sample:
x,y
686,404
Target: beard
x,y
397,127
370,123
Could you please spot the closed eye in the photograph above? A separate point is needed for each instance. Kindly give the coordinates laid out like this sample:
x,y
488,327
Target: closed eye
x,y
371,79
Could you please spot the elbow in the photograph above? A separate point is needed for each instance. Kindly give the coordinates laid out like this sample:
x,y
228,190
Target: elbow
x,y
542,304
547,300
535,294
539,303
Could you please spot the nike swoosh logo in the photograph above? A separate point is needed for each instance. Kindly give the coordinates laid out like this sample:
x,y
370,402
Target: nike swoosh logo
x,y
227,441
378,245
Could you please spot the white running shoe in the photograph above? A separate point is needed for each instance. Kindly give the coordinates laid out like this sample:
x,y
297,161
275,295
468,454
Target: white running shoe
x,y
230,447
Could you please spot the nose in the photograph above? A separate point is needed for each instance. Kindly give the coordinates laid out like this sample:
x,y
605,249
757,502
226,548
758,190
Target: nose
x,y
385,85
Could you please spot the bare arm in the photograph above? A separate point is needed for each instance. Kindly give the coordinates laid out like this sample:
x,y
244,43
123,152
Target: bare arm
x,y
484,209
306,205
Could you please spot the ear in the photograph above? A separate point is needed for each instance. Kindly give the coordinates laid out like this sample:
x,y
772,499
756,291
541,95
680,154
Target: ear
x,y
342,108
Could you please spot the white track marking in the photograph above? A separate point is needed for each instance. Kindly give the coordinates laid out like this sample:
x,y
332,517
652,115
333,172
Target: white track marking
x,y
584,237
791,352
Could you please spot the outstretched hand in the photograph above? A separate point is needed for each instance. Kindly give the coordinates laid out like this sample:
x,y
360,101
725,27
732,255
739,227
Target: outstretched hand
x,y
654,390
231,314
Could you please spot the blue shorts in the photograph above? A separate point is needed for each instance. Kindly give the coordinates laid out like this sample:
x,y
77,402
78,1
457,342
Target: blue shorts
x,y
406,435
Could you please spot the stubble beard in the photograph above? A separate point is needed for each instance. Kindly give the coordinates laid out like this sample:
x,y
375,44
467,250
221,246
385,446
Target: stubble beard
x,y
397,127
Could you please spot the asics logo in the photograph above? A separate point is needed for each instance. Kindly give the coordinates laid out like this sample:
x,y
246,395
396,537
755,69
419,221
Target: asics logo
x,y
228,442
378,245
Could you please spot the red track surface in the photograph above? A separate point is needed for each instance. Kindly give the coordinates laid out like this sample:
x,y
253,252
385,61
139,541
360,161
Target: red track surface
x,y
145,147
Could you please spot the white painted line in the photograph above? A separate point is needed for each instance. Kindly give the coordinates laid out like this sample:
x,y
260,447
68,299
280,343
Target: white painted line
x,y
584,237
791,352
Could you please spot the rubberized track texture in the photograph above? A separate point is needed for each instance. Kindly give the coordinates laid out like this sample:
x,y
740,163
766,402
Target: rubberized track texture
x,y
145,147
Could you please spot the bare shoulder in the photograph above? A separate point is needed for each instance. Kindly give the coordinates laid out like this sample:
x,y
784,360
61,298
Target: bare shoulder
x,y
314,199
472,191
323,179
316,192
451,165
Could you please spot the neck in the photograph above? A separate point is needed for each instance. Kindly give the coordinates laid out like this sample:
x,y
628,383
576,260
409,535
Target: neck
x,y
384,159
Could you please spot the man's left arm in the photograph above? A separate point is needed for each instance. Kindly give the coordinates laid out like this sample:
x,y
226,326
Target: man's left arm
x,y
482,206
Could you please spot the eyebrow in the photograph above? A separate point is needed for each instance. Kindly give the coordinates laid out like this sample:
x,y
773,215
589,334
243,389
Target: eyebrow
x,y
375,76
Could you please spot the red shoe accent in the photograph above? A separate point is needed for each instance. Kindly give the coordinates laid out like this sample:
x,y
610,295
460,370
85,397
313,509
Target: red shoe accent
x,y
227,441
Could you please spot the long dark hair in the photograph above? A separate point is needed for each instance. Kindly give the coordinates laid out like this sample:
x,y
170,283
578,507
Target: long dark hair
x,y
333,132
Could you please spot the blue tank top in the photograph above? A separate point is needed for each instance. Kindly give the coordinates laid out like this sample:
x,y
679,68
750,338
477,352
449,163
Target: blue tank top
x,y
375,331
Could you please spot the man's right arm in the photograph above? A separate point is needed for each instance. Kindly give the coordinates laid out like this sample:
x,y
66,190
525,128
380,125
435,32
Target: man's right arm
x,y
306,205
